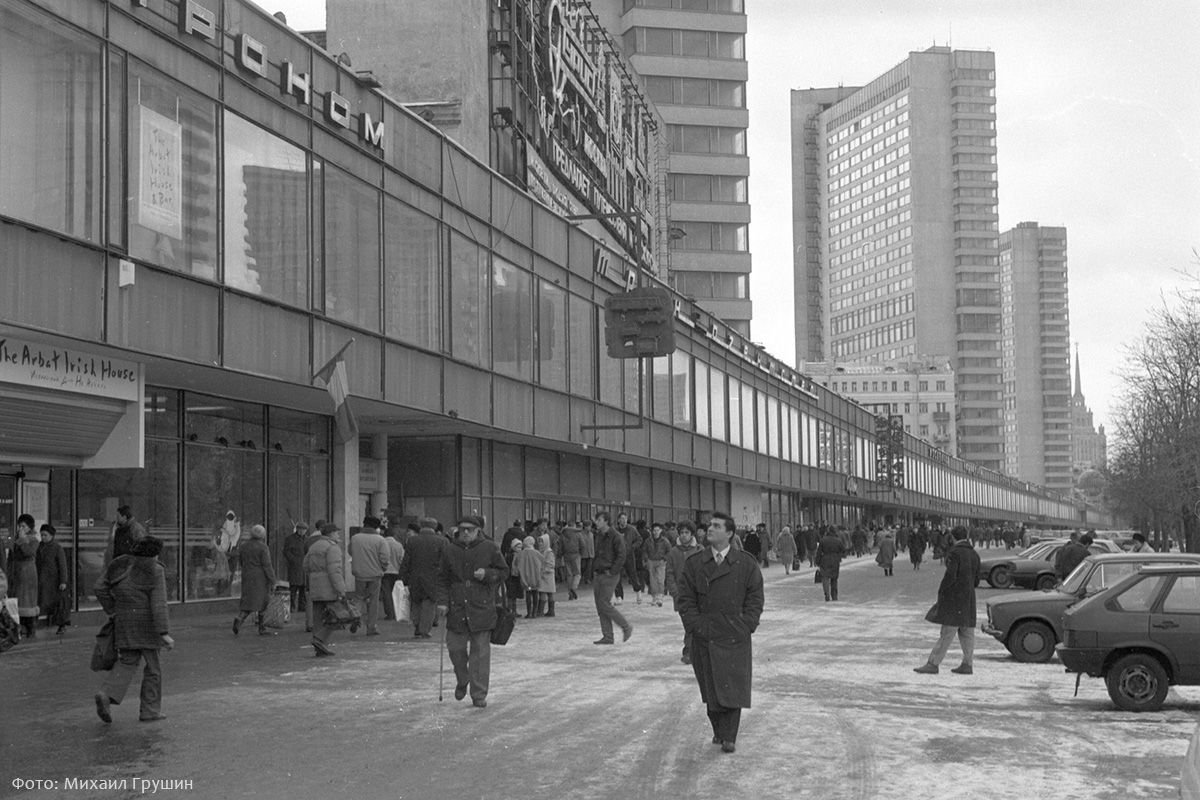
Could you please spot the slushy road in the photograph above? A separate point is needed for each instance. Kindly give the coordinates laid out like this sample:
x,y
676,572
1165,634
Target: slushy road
x,y
838,713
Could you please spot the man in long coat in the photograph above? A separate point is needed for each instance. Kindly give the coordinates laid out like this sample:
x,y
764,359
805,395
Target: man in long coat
x,y
721,600
955,606
422,561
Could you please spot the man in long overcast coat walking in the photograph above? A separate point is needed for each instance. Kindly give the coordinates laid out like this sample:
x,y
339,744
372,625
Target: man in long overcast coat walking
x,y
721,600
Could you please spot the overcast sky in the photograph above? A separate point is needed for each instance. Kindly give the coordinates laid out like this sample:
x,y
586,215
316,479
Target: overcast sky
x,y
1098,130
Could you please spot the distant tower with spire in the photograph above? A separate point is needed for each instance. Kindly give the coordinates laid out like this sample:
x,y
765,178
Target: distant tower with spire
x,y
1089,446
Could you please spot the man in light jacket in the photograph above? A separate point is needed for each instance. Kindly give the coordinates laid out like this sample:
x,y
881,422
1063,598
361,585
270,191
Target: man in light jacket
x,y
323,566
369,557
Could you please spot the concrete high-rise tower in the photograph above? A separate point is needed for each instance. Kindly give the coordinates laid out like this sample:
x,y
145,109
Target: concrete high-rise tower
x,y
896,228
691,55
1037,358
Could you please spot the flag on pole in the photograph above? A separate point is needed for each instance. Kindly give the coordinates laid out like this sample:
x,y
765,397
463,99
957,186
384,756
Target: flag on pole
x,y
333,376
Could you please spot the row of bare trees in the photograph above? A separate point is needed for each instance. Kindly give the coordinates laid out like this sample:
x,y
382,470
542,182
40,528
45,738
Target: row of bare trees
x,y
1154,461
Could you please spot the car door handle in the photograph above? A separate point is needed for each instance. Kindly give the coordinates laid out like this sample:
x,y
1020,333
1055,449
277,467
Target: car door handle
x,y
1166,624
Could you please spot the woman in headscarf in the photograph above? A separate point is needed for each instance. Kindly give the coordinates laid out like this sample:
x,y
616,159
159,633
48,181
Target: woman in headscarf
x,y
23,575
258,578
528,564
547,585
512,584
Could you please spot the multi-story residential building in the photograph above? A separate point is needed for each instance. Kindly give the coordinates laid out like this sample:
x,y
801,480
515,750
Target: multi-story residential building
x,y
691,55
1037,358
922,392
895,227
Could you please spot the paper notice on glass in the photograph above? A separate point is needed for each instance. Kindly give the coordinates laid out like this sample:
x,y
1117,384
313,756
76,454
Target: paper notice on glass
x,y
159,180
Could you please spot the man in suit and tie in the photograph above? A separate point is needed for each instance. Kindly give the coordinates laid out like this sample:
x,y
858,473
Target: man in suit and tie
x,y
721,600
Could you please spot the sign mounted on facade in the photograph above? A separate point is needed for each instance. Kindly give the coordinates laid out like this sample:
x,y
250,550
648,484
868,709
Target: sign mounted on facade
x,y
47,367
581,117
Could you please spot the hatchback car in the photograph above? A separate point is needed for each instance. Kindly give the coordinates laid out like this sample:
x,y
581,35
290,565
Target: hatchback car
x,y
1030,624
1142,635
1035,569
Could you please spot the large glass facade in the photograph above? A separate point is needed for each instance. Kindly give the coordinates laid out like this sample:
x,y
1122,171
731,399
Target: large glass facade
x,y
50,114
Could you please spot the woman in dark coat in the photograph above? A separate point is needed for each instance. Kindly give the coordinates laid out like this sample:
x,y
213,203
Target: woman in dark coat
x,y
721,604
916,547
52,580
133,590
955,606
887,553
258,578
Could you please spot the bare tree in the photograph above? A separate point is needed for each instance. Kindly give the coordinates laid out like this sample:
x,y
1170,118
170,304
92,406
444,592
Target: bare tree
x,y
1155,468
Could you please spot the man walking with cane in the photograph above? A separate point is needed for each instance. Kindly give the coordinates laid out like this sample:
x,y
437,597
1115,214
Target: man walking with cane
x,y
470,571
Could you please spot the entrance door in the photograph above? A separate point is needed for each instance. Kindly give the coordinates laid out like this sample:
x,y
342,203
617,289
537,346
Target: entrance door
x,y
8,514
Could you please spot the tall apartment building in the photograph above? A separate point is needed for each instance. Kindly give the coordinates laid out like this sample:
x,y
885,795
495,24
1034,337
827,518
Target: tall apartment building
x,y
1037,358
896,228
691,55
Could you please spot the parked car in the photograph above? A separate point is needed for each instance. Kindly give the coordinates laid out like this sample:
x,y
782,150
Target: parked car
x,y
988,563
1142,635
1035,570
1030,624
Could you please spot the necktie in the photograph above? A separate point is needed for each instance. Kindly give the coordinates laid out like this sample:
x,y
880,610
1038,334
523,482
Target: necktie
x,y
719,558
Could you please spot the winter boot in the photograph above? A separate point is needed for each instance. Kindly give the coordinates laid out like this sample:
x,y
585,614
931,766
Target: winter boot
x,y
528,604
550,612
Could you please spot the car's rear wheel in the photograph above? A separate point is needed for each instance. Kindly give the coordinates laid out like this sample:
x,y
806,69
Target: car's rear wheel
x,y
1046,582
1137,682
1000,577
1032,642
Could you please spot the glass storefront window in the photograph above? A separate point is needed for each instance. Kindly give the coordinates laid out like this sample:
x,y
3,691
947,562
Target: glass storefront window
x,y
152,494
220,481
412,276
512,320
701,393
266,213
50,115
351,249
470,301
228,423
551,350
583,347
172,189
660,369
681,382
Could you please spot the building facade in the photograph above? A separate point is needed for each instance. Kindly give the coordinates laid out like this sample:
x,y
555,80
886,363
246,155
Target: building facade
x,y
1089,443
920,392
200,209
1037,358
895,227
691,56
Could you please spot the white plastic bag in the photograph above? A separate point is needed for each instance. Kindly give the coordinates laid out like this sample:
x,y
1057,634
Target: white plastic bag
x,y
400,600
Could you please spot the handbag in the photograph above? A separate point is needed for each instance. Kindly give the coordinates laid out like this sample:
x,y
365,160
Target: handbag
x,y
817,576
506,620
104,653
343,612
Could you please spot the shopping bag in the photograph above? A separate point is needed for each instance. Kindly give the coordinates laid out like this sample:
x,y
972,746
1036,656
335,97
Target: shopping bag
x,y
506,620
400,601
104,653
343,612
817,576
279,608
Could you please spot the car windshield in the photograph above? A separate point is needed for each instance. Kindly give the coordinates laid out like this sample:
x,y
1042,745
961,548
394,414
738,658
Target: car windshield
x,y
1075,581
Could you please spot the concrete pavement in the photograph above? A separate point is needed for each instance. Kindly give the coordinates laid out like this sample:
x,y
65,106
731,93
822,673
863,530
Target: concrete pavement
x,y
838,713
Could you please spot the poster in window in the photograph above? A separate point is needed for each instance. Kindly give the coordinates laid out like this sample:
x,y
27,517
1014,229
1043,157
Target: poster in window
x,y
159,182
